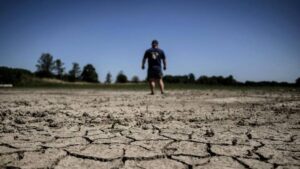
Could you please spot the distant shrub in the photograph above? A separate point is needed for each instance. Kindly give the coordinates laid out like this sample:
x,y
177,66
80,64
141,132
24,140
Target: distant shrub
x,y
121,78
108,78
59,68
135,79
298,81
217,80
191,78
45,65
74,73
13,75
176,79
43,74
89,74
213,80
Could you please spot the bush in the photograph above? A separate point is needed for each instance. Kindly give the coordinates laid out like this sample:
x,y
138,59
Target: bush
x,y
176,79
89,74
217,80
74,73
135,79
191,78
298,81
59,68
13,75
267,83
121,78
108,78
45,65
43,74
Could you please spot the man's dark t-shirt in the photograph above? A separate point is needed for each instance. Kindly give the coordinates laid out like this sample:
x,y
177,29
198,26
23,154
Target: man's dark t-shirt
x,y
154,56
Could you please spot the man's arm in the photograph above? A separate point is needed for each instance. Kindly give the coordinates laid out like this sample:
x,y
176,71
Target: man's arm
x,y
144,60
143,63
164,60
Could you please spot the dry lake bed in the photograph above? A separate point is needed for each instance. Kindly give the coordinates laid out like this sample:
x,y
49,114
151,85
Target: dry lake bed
x,y
191,129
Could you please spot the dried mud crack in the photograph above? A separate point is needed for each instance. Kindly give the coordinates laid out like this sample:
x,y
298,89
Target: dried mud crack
x,y
184,129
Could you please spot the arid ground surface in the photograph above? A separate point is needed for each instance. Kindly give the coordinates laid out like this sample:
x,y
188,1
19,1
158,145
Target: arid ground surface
x,y
128,129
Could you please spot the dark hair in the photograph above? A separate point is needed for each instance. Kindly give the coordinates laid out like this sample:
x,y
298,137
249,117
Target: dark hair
x,y
154,42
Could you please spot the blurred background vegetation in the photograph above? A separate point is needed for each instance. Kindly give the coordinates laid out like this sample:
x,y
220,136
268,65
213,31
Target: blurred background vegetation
x,y
51,72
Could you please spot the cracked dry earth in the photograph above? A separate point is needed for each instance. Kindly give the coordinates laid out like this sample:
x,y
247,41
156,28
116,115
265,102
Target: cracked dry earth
x,y
127,129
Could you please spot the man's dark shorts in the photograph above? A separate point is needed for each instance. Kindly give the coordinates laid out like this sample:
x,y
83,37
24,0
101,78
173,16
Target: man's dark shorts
x,y
154,73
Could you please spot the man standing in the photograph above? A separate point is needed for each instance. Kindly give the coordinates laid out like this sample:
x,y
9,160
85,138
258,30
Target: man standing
x,y
155,56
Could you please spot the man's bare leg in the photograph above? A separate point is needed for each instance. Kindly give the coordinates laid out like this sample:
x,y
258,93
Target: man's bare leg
x,y
161,86
152,85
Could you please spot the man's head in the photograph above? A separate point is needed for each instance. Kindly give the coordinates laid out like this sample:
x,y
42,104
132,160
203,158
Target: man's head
x,y
154,44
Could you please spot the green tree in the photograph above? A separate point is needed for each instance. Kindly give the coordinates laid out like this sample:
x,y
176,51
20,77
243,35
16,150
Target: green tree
x,y
229,80
45,65
121,78
74,73
135,79
89,74
203,80
108,78
14,76
191,78
298,81
58,67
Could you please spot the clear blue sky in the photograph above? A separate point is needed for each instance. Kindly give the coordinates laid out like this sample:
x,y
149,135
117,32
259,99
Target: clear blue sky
x,y
249,39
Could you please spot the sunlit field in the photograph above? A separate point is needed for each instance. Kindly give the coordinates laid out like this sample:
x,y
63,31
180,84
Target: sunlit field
x,y
127,128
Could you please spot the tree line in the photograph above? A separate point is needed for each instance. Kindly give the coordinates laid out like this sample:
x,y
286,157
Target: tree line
x,y
190,78
48,67
220,80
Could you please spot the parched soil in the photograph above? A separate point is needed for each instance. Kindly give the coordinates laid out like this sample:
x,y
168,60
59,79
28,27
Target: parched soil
x,y
125,129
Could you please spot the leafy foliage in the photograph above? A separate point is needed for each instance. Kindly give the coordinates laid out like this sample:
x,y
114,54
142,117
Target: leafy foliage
x,y
74,73
135,79
13,75
121,78
89,74
45,65
266,83
58,67
298,81
217,80
108,78
191,78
